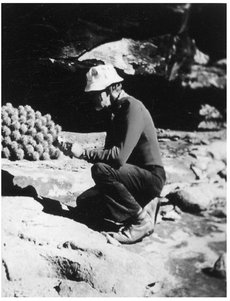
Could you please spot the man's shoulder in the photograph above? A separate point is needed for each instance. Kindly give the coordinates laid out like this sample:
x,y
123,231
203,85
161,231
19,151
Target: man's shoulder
x,y
129,101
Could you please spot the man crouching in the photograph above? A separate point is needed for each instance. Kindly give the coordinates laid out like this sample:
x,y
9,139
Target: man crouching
x,y
128,172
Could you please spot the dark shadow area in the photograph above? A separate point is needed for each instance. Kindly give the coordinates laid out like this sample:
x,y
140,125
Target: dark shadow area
x,y
214,273
9,189
37,71
91,212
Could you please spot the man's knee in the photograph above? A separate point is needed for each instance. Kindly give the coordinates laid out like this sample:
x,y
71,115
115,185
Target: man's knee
x,y
101,172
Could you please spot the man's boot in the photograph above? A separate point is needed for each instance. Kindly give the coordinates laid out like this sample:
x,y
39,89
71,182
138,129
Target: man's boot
x,y
152,208
140,227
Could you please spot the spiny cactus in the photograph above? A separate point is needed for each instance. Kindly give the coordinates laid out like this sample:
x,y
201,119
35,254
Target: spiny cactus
x,y
38,124
19,154
35,156
23,128
44,130
15,135
6,152
32,132
5,131
39,137
30,123
45,156
49,138
39,148
15,126
6,141
27,134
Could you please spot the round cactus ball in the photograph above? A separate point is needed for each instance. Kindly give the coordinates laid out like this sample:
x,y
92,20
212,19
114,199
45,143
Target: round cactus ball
x,y
30,123
7,141
39,137
9,105
35,156
38,124
22,112
43,120
32,132
57,153
23,128
14,118
48,117
4,114
45,156
38,114
29,148
50,125
22,119
19,154
39,148
28,108
33,142
24,139
15,135
51,151
6,131
15,125
49,138
45,144
14,145
58,129
44,130
53,132
6,153
7,121
16,112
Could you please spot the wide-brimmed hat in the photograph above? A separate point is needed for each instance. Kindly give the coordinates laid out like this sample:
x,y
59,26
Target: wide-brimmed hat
x,y
100,77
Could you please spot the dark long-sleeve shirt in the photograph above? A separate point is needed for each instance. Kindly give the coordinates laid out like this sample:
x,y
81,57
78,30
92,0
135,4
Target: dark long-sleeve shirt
x,y
132,137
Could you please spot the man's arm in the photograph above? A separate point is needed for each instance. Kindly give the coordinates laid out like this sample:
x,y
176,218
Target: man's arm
x,y
117,156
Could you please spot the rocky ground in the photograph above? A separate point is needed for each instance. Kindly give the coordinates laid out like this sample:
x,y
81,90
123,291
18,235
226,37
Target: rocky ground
x,y
47,252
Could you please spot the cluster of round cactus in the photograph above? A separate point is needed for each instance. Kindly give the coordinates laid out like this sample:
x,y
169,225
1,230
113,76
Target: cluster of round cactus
x,y
27,134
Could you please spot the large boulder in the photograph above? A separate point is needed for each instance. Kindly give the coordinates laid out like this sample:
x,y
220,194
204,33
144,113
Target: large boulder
x,y
47,180
197,197
38,245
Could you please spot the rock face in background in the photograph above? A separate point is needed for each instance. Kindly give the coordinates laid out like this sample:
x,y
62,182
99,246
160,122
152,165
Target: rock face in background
x,y
166,55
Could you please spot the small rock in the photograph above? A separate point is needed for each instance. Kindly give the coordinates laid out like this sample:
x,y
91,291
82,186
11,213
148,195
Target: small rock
x,y
223,174
220,266
191,199
220,213
152,289
166,209
172,216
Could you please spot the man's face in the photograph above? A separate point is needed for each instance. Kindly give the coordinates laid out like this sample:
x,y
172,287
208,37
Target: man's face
x,y
101,99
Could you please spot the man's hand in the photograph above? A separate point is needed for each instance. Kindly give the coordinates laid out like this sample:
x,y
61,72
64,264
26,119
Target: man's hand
x,y
70,149
77,150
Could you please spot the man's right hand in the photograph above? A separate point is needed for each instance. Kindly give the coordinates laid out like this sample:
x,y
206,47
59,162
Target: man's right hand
x,y
70,149
65,146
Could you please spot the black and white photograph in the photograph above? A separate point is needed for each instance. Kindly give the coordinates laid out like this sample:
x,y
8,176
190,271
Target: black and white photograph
x,y
114,149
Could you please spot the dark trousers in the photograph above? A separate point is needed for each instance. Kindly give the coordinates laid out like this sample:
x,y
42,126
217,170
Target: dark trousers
x,y
126,190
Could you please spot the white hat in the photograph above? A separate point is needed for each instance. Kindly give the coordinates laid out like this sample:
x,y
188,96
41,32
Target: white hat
x,y
100,77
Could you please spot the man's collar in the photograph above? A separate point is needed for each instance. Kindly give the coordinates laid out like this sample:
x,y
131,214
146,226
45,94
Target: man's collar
x,y
117,103
122,95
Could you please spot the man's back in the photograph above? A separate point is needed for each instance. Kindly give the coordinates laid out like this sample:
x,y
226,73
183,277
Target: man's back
x,y
134,133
